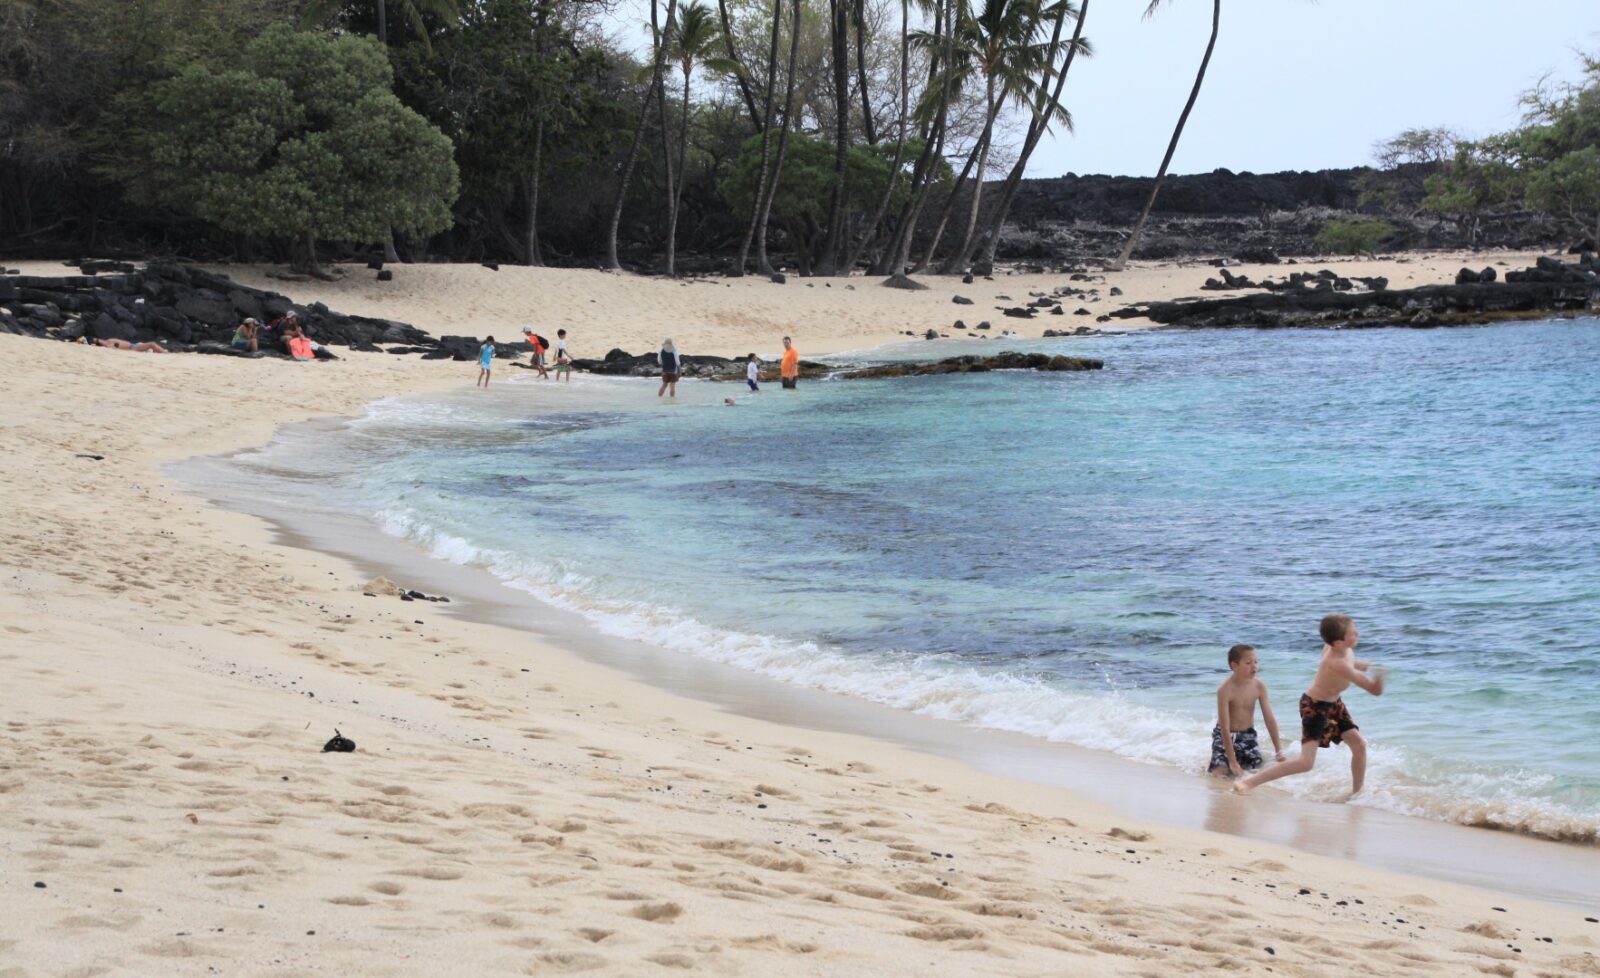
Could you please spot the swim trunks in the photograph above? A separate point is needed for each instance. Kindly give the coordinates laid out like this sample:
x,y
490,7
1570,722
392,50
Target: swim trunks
x,y
789,383
1245,749
1325,723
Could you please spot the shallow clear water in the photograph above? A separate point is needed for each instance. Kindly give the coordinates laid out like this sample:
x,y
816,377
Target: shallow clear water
x,y
1069,555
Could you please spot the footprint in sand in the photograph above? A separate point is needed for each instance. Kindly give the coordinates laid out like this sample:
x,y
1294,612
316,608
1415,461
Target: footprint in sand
x,y
658,912
387,887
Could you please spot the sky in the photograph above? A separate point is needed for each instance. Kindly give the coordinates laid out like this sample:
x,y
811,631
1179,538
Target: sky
x,y
1297,85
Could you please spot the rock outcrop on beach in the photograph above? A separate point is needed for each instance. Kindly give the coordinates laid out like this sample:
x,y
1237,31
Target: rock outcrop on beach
x,y
974,365
189,309
1548,287
620,363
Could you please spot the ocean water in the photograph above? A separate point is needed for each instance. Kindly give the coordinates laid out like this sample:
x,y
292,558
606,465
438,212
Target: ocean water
x,y
1068,556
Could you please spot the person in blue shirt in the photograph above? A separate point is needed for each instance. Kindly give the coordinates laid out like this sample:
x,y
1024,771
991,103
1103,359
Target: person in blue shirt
x,y
485,361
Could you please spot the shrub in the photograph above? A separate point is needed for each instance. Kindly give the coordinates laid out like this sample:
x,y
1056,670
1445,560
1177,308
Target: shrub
x,y
1353,235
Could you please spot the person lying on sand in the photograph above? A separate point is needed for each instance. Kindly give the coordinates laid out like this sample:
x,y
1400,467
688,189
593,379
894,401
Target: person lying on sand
x,y
1233,740
1324,719
115,344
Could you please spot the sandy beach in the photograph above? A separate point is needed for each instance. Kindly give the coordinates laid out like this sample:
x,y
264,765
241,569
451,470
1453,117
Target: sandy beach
x,y
171,671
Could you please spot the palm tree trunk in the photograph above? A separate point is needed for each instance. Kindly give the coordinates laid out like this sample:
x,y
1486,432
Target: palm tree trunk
x,y
383,23
904,224
955,189
968,240
934,148
766,140
638,138
867,128
532,187
1161,174
828,261
783,142
666,150
733,55
683,177
1036,130
900,145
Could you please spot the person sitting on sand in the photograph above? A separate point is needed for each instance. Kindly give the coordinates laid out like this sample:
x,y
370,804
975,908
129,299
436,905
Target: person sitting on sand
x,y
298,344
145,347
670,363
485,362
244,338
1324,719
1234,748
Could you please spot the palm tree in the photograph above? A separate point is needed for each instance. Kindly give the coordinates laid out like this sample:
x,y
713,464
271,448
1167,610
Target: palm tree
x,y
766,138
764,206
658,64
1040,123
1161,174
900,142
697,38
933,109
839,34
1003,46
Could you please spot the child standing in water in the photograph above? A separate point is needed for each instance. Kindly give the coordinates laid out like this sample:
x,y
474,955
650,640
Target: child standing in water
x,y
1234,747
1324,719
485,361
752,373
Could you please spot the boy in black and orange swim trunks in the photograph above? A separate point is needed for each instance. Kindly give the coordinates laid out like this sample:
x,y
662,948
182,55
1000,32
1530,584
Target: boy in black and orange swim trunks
x,y
1324,719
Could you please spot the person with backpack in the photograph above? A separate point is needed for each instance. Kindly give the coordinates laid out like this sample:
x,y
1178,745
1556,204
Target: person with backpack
x,y
539,344
671,364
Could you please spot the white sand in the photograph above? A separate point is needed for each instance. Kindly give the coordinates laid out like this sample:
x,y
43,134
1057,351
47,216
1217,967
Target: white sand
x,y
169,675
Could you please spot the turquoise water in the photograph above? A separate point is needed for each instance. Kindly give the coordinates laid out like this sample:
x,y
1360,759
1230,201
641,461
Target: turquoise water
x,y
1069,556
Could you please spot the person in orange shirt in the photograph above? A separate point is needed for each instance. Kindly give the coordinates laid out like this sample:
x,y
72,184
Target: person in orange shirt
x,y
789,372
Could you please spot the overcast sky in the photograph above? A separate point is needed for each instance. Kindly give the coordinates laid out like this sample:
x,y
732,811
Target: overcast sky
x,y
1300,85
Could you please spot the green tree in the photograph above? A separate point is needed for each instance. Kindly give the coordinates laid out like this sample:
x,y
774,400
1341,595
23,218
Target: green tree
x,y
1551,163
1353,235
799,199
413,12
1403,165
522,100
301,138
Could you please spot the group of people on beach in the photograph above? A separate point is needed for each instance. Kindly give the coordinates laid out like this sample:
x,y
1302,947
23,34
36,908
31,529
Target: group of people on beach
x,y
671,363
1324,719
668,358
286,334
537,359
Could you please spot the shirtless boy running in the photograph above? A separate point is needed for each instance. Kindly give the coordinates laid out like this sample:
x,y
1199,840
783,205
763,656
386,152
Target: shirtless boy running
x,y
1324,720
1233,740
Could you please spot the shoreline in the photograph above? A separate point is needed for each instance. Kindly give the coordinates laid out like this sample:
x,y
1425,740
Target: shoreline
x,y
174,671
1557,871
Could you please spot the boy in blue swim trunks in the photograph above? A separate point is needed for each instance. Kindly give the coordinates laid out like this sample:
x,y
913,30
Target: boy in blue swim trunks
x,y
1234,748
485,361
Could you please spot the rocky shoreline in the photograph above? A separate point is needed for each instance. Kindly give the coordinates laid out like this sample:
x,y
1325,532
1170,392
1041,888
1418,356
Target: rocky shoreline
x,y
1323,300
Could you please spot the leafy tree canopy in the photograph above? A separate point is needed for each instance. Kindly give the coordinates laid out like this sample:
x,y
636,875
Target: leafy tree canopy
x,y
301,136
1551,163
808,175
